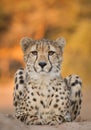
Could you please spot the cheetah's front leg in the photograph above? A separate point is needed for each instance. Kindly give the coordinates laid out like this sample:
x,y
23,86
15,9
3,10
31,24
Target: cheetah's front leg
x,y
19,95
74,84
20,100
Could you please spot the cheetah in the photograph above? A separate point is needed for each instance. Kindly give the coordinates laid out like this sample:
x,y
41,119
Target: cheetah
x,y
41,95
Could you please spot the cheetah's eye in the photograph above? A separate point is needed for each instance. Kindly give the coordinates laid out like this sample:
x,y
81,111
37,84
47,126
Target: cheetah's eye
x,y
50,53
34,52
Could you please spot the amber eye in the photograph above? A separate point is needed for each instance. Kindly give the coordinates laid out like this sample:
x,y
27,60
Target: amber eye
x,y
51,53
34,52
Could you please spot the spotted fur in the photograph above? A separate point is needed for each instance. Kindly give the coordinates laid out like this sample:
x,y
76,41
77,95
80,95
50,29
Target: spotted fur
x,y
41,95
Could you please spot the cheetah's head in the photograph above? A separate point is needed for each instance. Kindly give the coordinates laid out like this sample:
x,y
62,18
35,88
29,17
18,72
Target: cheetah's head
x,y
43,56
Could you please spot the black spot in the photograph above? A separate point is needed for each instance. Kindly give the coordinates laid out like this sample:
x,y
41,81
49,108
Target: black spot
x,y
15,103
73,102
22,119
18,117
34,99
17,97
56,89
60,118
78,112
21,81
55,105
80,101
50,102
20,107
36,107
23,107
57,100
32,87
27,123
27,105
65,98
59,108
16,86
73,84
62,98
31,116
75,112
53,88
28,97
60,93
20,72
42,103
62,103
77,77
29,109
59,83
52,95
63,93
20,93
22,103
15,79
38,93
76,94
29,83
32,93
76,82
76,107
21,77
67,106
56,95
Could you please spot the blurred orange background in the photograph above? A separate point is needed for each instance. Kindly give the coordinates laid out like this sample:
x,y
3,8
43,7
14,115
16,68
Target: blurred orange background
x,y
44,19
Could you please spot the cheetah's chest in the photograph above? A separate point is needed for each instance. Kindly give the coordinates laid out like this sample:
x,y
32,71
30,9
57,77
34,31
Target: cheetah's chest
x,y
47,99
40,95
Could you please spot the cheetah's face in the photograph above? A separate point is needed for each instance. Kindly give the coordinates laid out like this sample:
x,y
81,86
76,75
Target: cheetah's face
x,y
43,56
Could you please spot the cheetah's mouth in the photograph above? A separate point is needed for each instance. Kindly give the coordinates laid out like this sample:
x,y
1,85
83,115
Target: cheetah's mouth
x,y
43,71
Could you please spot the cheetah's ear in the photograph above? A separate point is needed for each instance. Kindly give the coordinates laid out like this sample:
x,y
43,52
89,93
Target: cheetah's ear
x,y
61,42
25,43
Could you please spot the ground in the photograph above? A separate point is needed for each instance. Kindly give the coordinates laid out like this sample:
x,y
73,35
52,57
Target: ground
x,y
7,122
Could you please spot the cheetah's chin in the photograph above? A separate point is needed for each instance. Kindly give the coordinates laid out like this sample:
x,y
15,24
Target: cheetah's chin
x,y
44,71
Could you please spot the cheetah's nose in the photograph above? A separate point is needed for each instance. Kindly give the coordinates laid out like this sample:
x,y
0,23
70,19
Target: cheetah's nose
x,y
42,64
